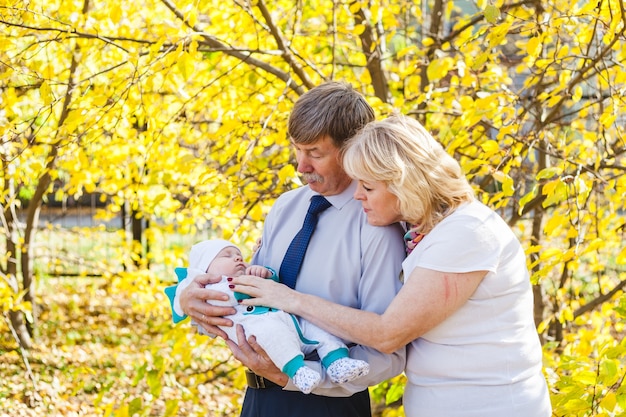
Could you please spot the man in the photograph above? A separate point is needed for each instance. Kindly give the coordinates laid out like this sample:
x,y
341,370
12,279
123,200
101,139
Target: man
x,y
347,261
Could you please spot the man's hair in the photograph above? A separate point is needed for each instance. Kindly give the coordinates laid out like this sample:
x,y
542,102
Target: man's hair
x,y
332,109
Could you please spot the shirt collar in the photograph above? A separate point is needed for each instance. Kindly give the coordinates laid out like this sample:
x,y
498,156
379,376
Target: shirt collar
x,y
343,198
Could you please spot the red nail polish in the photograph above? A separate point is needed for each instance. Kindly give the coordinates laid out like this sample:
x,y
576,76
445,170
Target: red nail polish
x,y
229,279
231,286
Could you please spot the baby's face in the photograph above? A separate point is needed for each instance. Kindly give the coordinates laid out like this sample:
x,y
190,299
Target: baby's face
x,y
228,262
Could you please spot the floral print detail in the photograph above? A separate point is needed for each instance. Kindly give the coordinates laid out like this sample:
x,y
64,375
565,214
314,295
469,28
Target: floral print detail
x,y
412,238
347,369
306,379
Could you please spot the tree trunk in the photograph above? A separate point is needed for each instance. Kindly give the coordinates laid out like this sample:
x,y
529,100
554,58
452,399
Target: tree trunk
x,y
373,51
137,229
21,330
16,317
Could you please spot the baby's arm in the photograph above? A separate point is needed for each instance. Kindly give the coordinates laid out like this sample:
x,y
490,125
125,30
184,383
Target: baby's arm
x,y
259,271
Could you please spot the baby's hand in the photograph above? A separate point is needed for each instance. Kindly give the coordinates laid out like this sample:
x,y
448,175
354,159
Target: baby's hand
x,y
259,271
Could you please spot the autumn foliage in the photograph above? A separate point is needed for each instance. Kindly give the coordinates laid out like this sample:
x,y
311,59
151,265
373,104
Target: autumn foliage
x,y
173,112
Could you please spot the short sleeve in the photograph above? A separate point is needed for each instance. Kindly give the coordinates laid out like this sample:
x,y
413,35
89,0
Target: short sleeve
x,y
463,244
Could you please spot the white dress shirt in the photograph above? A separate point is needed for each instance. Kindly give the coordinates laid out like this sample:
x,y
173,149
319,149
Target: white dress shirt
x,y
348,262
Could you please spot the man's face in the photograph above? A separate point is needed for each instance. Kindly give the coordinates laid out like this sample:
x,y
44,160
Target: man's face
x,y
228,261
320,166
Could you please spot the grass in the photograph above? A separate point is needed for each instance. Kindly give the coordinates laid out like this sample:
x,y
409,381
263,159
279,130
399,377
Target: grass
x,y
104,342
96,354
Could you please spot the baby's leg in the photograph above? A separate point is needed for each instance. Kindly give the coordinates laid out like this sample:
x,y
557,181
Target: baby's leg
x,y
335,355
276,334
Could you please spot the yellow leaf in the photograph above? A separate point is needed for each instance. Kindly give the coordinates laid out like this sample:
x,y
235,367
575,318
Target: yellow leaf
x,y
572,233
543,325
576,404
551,224
553,101
526,198
506,181
490,147
287,171
609,374
621,257
355,6
192,16
471,164
480,60
609,401
533,47
46,93
498,34
434,70
492,13
563,51
548,173
406,50
115,14
256,213
185,65
607,119
578,93
556,192
550,253
567,314
594,244
586,377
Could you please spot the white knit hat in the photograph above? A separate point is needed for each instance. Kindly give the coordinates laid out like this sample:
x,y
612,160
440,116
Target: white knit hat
x,y
202,254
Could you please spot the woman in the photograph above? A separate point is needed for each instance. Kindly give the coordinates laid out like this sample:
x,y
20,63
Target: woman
x,y
466,307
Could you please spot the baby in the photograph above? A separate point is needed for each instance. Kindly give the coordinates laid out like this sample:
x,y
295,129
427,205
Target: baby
x,y
284,338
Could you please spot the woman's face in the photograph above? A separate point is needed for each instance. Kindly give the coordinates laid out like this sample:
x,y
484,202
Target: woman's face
x,y
380,205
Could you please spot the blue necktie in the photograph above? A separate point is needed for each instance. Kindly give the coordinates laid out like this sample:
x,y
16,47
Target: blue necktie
x,y
297,248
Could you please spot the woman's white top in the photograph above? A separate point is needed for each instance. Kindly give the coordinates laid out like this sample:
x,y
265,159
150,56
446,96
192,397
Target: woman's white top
x,y
485,359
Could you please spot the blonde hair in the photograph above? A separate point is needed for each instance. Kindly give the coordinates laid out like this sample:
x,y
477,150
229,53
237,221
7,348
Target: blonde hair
x,y
398,151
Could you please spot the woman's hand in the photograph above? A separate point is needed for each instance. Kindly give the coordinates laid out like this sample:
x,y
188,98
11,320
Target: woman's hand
x,y
265,292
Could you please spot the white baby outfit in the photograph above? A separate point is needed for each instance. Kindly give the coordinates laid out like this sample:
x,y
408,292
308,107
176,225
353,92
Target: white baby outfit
x,y
285,338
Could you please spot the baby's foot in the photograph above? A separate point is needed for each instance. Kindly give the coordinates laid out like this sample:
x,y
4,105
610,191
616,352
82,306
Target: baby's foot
x,y
347,369
306,379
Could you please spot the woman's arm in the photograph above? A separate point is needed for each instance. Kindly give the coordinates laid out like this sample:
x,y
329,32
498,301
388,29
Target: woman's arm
x,y
427,298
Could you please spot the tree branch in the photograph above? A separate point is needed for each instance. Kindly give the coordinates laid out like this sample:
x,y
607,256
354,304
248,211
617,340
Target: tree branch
x,y
246,58
106,39
283,46
599,300
373,55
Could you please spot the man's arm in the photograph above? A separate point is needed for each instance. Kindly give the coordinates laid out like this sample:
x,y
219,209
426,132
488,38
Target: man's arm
x,y
382,255
383,252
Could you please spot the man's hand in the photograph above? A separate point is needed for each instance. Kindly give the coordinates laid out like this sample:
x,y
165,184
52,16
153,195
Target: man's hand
x,y
195,299
252,355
